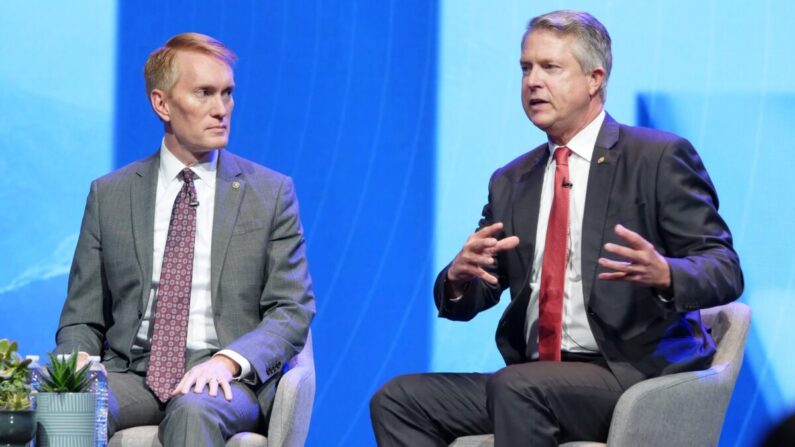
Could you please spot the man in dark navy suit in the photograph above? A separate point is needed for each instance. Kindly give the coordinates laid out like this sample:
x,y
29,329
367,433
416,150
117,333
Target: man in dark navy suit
x,y
610,241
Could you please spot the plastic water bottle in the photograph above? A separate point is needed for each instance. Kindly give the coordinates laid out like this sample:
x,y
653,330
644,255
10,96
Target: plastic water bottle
x,y
99,386
34,378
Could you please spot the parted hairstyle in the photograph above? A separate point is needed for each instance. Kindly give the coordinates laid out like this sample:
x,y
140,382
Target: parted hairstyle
x,y
591,40
160,70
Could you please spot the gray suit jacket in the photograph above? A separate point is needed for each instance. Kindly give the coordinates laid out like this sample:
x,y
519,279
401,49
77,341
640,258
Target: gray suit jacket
x,y
262,295
653,183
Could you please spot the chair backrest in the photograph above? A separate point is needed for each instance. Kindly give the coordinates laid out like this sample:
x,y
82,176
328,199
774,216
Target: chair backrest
x,y
304,358
730,324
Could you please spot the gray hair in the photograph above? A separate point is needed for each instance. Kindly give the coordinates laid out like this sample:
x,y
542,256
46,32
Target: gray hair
x,y
591,41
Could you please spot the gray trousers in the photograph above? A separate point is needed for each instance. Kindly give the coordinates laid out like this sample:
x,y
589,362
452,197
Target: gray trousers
x,y
536,403
186,420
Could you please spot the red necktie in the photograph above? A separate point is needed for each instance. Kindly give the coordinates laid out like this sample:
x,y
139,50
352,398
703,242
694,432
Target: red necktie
x,y
553,270
170,332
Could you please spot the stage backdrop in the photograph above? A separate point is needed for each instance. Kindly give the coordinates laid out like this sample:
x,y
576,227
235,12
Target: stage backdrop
x,y
391,116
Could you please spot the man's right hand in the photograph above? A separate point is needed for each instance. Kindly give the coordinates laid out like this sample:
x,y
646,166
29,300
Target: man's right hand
x,y
478,252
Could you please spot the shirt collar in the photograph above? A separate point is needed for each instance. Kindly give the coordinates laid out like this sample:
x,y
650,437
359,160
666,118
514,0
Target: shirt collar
x,y
583,143
170,166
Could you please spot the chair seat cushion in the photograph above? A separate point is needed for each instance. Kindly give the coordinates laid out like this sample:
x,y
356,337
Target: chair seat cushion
x,y
146,436
488,441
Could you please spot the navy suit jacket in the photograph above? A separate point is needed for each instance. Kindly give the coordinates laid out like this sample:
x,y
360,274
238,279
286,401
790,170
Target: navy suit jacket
x,y
653,183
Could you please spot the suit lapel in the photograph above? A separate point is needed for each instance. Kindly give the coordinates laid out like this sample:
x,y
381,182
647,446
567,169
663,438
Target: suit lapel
x,y
525,213
142,197
600,180
229,190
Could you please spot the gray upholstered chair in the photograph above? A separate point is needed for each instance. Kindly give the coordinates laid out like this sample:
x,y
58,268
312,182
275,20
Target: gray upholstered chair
x,y
289,424
679,409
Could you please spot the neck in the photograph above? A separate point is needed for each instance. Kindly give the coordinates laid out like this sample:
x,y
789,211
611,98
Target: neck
x,y
188,157
563,137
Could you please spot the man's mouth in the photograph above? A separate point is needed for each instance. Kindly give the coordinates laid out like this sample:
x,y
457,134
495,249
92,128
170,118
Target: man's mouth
x,y
535,102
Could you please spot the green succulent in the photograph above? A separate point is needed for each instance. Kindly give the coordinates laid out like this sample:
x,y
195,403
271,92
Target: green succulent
x,y
14,388
63,376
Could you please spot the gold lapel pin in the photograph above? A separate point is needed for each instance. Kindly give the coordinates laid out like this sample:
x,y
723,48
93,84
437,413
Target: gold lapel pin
x,y
600,160
235,185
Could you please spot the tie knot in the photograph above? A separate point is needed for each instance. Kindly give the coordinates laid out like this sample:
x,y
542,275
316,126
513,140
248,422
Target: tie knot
x,y
187,175
562,155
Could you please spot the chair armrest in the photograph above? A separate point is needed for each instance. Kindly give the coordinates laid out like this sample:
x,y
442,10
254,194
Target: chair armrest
x,y
292,408
670,410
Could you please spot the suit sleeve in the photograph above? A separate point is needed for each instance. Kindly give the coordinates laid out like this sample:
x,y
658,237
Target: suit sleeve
x,y
82,324
479,294
705,269
287,300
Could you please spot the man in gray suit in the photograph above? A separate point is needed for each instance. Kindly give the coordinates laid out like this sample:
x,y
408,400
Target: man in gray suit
x,y
609,239
190,276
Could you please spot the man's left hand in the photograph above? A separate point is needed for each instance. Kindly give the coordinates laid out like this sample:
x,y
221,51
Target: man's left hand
x,y
643,265
213,373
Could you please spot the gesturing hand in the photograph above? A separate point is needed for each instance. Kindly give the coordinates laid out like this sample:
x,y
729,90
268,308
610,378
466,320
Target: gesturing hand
x,y
478,252
644,264
215,372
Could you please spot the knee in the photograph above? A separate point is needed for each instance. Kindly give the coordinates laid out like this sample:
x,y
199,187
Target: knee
x,y
392,395
191,406
511,383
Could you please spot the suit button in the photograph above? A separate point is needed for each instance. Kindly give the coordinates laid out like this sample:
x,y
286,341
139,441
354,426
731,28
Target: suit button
x,y
591,314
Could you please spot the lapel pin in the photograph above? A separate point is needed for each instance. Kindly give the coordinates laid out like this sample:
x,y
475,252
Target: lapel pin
x,y
235,185
600,160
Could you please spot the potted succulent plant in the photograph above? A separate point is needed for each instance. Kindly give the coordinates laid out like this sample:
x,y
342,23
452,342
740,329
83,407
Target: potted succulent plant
x,y
17,419
65,407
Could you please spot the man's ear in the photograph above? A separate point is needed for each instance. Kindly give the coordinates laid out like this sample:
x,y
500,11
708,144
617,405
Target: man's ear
x,y
596,80
157,98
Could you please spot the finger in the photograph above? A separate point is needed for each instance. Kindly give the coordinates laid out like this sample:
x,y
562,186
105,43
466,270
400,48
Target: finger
x,y
201,382
480,245
478,260
183,387
625,252
635,240
488,231
507,243
213,387
227,389
485,276
619,266
612,276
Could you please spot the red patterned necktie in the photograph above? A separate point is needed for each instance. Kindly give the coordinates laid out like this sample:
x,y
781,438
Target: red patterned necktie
x,y
169,336
553,270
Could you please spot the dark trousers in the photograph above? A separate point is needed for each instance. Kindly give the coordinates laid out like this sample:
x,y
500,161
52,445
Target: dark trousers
x,y
536,403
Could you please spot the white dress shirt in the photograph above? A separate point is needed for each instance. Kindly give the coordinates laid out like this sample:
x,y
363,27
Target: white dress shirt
x,y
577,336
201,325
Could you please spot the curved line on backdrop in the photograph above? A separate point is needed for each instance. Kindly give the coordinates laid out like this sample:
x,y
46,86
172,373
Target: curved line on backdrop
x,y
360,205
420,285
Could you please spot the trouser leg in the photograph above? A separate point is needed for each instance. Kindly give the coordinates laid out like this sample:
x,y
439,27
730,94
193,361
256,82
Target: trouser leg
x,y
195,419
537,403
429,409
131,403
547,403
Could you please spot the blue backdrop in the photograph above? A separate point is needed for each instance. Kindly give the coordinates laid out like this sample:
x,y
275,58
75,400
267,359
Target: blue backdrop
x,y
391,116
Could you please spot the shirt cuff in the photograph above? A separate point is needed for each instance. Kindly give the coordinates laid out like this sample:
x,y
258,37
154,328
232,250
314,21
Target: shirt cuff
x,y
664,299
245,365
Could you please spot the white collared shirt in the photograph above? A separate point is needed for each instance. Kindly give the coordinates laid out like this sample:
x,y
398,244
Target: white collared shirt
x,y
577,335
201,324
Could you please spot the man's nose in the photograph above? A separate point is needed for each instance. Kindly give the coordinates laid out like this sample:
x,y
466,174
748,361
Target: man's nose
x,y
220,107
532,79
